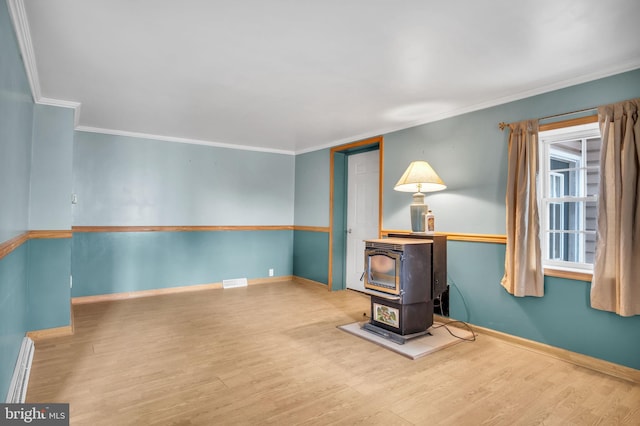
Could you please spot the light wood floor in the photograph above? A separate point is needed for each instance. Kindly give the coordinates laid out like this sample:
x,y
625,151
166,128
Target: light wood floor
x,y
271,354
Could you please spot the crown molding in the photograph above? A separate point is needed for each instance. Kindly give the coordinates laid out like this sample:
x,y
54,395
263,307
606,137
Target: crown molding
x,y
63,104
125,133
18,15
21,25
23,34
620,68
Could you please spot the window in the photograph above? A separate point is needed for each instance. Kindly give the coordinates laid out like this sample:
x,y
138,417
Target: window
x,y
568,195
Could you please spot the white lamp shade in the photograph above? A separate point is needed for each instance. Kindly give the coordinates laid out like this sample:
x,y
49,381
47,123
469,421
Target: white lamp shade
x,y
419,177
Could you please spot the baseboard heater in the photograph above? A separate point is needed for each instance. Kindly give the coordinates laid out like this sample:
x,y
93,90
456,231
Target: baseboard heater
x,y
18,386
236,282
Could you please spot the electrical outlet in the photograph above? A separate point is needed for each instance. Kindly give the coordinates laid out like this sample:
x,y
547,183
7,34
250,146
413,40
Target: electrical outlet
x,y
271,272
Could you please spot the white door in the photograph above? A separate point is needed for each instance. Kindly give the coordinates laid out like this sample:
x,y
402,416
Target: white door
x,y
362,211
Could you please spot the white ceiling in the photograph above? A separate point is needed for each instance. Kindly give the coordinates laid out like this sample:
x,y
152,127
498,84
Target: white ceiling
x,y
294,75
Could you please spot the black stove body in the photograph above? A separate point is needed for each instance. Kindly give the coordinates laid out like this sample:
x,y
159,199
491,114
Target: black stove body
x,y
403,276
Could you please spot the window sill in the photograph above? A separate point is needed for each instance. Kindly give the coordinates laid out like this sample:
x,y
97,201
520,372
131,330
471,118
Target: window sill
x,y
572,275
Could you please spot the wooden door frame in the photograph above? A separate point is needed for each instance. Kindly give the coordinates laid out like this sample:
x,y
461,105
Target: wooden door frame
x,y
344,149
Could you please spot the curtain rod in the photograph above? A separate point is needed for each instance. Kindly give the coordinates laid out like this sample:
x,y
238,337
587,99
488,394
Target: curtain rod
x,y
502,124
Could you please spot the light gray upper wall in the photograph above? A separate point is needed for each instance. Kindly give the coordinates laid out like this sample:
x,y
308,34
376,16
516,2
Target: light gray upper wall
x,y
16,113
125,181
469,152
312,188
51,168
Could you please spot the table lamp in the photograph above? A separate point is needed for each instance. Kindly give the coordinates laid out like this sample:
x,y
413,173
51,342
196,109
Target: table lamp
x,y
419,177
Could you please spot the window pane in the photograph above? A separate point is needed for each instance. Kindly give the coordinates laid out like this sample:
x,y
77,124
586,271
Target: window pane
x,y
566,216
593,152
573,216
556,185
591,216
556,216
571,235
568,148
565,183
590,226
574,247
570,168
589,247
593,165
593,182
555,245
558,164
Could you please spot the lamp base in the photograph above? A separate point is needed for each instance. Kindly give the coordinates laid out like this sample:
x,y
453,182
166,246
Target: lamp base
x,y
418,211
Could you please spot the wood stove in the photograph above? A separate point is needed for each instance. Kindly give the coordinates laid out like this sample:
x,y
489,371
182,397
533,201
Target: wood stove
x,y
403,276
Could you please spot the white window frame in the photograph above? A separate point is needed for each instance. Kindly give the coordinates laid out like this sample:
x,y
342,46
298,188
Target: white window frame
x,y
551,240
547,139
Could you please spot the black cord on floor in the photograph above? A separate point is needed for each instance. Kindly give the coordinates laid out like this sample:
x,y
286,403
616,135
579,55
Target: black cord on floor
x,y
445,325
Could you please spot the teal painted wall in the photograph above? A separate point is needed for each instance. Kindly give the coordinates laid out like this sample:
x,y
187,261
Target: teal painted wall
x,y
13,312
124,181
16,115
469,153
312,188
562,318
49,260
48,290
51,168
115,262
311,255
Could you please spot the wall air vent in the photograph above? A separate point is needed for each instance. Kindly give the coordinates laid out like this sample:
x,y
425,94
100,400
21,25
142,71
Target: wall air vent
x,y
235,282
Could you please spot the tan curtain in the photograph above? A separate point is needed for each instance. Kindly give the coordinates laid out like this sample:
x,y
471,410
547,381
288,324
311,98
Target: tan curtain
x,y
616,270
523,275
